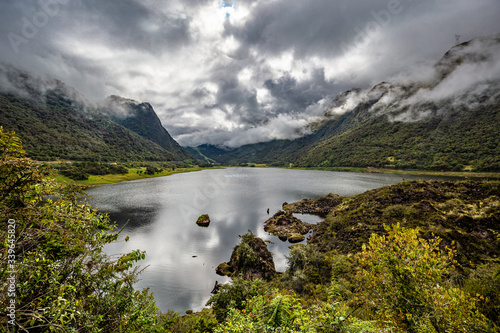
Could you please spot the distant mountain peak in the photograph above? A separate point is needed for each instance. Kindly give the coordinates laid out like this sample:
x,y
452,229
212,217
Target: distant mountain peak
x,y
141,118
38,88
121,107
56,121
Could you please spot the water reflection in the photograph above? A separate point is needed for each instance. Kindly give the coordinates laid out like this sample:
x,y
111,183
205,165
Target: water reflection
x,y
182,257
309,218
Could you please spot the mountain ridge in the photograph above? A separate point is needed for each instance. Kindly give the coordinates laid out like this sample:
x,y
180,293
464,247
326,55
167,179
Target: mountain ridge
x,y
56,122
446,121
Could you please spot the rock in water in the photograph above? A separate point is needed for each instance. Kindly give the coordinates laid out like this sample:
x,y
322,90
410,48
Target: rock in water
x,y
250,259
286,226
203,220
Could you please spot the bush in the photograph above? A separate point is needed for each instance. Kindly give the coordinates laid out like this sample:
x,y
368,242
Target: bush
x,y
402,280
275,312
306,265
64,280
235,295
485,282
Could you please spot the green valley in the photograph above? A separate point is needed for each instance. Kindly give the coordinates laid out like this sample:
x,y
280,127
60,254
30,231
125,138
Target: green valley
x,y
418,256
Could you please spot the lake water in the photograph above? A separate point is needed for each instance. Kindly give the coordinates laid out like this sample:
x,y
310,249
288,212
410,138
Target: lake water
x,y
181,256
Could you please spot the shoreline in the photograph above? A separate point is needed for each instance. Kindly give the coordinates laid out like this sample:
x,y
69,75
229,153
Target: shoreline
x,y
464,174
133,175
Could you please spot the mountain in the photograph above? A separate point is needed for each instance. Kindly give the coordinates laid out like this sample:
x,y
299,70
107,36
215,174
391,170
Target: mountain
x,y
445,119
140,118
55,121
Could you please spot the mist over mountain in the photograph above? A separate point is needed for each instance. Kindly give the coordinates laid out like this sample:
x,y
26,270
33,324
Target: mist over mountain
x,y
142,119
444,117
55,121
465,77
230,73
440,117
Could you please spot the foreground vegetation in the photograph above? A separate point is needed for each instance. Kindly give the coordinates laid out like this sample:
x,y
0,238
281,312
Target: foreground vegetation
x,y
55,275
413,257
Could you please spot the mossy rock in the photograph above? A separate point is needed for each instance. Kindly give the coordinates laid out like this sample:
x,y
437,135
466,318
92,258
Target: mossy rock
x,y
203,220
295,237
250,259
321,206
224,269
286,226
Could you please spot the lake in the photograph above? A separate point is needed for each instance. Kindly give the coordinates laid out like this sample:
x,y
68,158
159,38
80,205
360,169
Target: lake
x,y
181,256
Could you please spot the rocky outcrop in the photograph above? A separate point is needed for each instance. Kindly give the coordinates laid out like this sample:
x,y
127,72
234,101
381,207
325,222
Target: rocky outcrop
x,y
285,226
465,215
250,259
203,220
321,206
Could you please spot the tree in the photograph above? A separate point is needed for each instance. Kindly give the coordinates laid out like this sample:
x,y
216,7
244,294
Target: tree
x,y
59,276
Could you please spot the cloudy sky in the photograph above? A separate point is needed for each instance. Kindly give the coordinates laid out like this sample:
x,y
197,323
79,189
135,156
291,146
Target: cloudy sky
x,y
234,72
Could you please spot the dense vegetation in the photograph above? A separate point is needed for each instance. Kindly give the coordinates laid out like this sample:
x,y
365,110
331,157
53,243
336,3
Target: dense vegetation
x,y
450,142
81,171
460,140
54,128
413,257
60,280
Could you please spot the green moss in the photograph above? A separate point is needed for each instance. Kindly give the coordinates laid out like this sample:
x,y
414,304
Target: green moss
x,y
463,212
295,237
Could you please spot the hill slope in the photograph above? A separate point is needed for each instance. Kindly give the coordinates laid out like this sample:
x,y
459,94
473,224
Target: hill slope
x,y
447,121
142,119
55,121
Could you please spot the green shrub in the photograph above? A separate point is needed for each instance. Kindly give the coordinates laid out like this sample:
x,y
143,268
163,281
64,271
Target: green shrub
x,y
235,295
402,279
65,282
399,212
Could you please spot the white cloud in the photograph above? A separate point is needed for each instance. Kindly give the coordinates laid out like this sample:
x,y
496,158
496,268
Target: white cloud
x,y
258,73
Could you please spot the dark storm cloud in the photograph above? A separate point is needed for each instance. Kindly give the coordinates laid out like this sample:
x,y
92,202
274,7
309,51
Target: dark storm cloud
x,y
130,24
296,96
317,27
234,75
278,26
120,23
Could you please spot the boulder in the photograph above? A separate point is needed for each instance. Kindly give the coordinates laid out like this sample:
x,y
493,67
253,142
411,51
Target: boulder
x,y
250,259
203,220
285,226
295,237
224,269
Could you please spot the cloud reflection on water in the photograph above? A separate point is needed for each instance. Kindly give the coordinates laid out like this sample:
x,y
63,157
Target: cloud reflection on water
x,y
182,256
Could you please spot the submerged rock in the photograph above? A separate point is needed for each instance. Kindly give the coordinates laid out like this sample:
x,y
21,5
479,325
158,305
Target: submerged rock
x,y
203,220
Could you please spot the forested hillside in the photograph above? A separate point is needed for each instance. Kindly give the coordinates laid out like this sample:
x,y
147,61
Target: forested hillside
x,y
56,122
420,124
